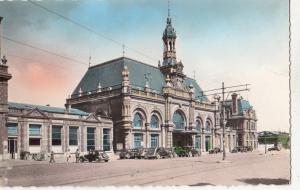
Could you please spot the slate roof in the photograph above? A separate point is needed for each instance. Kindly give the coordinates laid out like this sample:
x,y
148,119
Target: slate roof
x,y
50,109
243,105
109,74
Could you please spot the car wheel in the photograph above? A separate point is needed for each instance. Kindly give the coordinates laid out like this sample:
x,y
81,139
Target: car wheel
x,y
158,156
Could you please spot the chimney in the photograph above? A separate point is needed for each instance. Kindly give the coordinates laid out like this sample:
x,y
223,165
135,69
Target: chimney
x,y
234,104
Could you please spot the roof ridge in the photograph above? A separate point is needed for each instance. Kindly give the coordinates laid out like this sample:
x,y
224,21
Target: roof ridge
x,y
35,105
106,62
120,58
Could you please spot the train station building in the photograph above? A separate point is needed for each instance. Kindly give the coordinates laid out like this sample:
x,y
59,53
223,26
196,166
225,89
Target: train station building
x,y
126,103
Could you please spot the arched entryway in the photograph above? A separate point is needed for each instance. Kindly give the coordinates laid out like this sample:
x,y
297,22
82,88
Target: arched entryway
x,y
208,135
181,137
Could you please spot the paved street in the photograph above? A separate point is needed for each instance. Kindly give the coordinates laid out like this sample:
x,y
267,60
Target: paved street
x,y
243,168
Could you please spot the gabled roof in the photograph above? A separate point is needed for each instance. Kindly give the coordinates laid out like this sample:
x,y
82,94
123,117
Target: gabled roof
x,y
109,74
14,105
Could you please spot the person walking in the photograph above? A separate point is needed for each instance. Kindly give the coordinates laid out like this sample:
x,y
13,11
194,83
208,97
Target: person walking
x,y
68,155
52,157
77,154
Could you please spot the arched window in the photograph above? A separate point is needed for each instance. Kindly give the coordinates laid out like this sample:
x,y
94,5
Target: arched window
x,y
154,121
198,125
207,126
137,120
178,120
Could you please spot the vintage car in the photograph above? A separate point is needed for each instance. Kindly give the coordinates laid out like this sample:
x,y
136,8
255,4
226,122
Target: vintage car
x,y
234,150
274,148
215,150
132,153
165,152
94,156
152,153
192,151
249,148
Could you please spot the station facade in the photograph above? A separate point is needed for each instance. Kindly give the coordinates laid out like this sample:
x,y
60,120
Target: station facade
x,y
152,106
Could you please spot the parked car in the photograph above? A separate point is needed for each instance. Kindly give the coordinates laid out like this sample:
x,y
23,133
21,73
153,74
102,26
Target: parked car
x,y
95,156
191,151
242,149
129,153
234,150
274,148
165,152
249,148
152,153
215,150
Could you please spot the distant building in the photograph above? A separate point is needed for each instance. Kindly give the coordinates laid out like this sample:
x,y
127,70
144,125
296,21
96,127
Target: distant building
x,y
37,129
241,117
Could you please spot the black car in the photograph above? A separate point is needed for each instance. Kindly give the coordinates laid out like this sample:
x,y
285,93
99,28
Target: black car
x,y
132,153
234,150
249,148
152,153
274,148
94,156
165,152
192,151
215,150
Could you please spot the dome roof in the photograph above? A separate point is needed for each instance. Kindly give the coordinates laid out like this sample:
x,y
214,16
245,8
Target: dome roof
x,y
169,30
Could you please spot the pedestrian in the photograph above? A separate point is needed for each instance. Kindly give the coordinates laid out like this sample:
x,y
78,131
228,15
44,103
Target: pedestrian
x,y
52,157
68,155
77,155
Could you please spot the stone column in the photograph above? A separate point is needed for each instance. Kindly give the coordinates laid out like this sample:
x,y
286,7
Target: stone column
x,y
163,137
49,138
202,140
83,139
79,142
147,135
44,136
99,138
127,139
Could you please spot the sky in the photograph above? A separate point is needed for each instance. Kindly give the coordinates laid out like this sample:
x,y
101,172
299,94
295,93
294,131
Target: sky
x,y
230,41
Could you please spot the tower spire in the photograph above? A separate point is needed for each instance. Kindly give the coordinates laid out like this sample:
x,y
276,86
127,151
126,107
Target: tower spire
x,y
169,38
168,8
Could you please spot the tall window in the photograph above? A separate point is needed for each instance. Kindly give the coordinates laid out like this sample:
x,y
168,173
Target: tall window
x,y
154,121
34,135
137,138
90,138
56,135
137,120
198,125
73,136
106,139
178,120
154,140
34,130
207,126
12,129
197,142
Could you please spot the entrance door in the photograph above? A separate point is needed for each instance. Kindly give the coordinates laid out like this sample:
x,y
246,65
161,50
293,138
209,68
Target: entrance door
x,y
12,147
207,143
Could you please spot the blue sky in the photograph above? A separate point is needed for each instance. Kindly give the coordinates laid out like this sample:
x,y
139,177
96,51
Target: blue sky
x,y
221,40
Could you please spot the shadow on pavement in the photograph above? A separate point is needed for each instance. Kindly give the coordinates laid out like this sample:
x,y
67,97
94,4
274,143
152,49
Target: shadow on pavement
x,y
201,184
266,181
